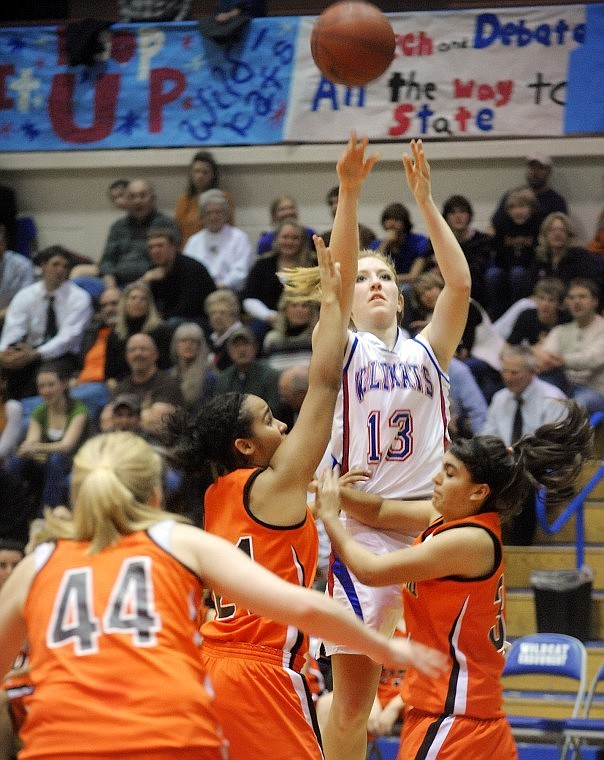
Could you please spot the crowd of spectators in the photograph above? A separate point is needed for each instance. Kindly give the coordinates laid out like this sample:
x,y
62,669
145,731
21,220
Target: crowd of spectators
x,y
185,306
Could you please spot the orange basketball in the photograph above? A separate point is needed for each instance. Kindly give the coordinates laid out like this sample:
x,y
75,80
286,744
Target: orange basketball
x,y
352,43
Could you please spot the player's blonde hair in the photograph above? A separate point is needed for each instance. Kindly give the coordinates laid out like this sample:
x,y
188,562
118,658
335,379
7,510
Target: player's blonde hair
x,y
304,282
114,476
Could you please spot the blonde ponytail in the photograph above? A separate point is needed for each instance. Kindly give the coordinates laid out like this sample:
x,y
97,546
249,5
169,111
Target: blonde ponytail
x,y
114,477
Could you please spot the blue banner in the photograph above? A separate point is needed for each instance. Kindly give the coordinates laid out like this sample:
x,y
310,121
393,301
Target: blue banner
x,y
155,86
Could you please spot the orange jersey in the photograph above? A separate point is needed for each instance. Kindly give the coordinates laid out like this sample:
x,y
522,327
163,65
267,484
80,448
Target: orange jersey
x,y
114,653
254,664
462,617
290,552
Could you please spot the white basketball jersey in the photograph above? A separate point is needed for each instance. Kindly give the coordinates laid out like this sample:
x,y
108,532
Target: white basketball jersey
x,y
391,415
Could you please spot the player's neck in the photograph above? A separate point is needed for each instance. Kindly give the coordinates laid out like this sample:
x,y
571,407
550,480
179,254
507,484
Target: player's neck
x,y
387,335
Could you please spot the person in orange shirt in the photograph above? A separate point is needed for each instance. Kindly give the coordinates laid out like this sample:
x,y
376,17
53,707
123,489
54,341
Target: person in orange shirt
x,y
452,576
110,611
89,385
203,175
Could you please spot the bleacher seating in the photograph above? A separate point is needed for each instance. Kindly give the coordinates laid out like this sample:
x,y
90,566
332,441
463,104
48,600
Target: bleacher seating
x,y
586,729
560,662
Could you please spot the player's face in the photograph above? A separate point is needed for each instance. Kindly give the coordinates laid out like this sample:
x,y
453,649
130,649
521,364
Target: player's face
x,y
267,432
454,494
377,299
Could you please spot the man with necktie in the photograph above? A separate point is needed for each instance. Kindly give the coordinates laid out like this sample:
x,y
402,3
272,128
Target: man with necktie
x,y
44,321
524,404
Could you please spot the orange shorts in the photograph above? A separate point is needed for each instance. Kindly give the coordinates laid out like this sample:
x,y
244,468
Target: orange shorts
x,y
265,709
454,737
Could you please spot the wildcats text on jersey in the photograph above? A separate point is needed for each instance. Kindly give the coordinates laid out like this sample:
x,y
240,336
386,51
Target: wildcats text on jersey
x,y
386,376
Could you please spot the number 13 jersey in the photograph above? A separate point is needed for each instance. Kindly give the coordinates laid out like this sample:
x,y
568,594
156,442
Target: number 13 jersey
x,y
391,415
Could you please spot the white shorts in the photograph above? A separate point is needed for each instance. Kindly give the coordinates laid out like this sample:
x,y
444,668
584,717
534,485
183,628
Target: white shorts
x,y
379,607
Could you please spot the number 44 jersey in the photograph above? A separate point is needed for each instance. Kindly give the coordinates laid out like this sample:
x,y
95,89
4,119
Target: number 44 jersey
x,y
114,640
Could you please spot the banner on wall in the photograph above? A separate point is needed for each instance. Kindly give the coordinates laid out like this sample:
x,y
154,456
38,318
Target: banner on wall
x,y
156,86
480,73
455,74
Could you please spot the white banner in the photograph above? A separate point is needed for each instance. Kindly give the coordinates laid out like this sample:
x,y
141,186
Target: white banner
x,y
475,73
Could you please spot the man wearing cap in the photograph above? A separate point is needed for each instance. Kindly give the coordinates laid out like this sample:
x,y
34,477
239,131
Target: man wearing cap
x,y
248,374
537,175
45,320
126,415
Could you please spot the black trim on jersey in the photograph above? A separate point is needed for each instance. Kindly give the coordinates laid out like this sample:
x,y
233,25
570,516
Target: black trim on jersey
x,y
454,677
431,734
312,712
295,649
496,543
246,505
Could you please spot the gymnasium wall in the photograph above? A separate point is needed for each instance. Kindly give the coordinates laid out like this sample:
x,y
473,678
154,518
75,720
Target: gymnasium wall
x,y
65,192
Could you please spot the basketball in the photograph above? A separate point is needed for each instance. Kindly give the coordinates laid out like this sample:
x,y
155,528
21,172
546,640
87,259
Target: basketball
x,y
352,43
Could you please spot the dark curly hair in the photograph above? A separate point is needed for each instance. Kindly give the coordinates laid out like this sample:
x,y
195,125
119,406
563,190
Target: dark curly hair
x,y
194,442
552,457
